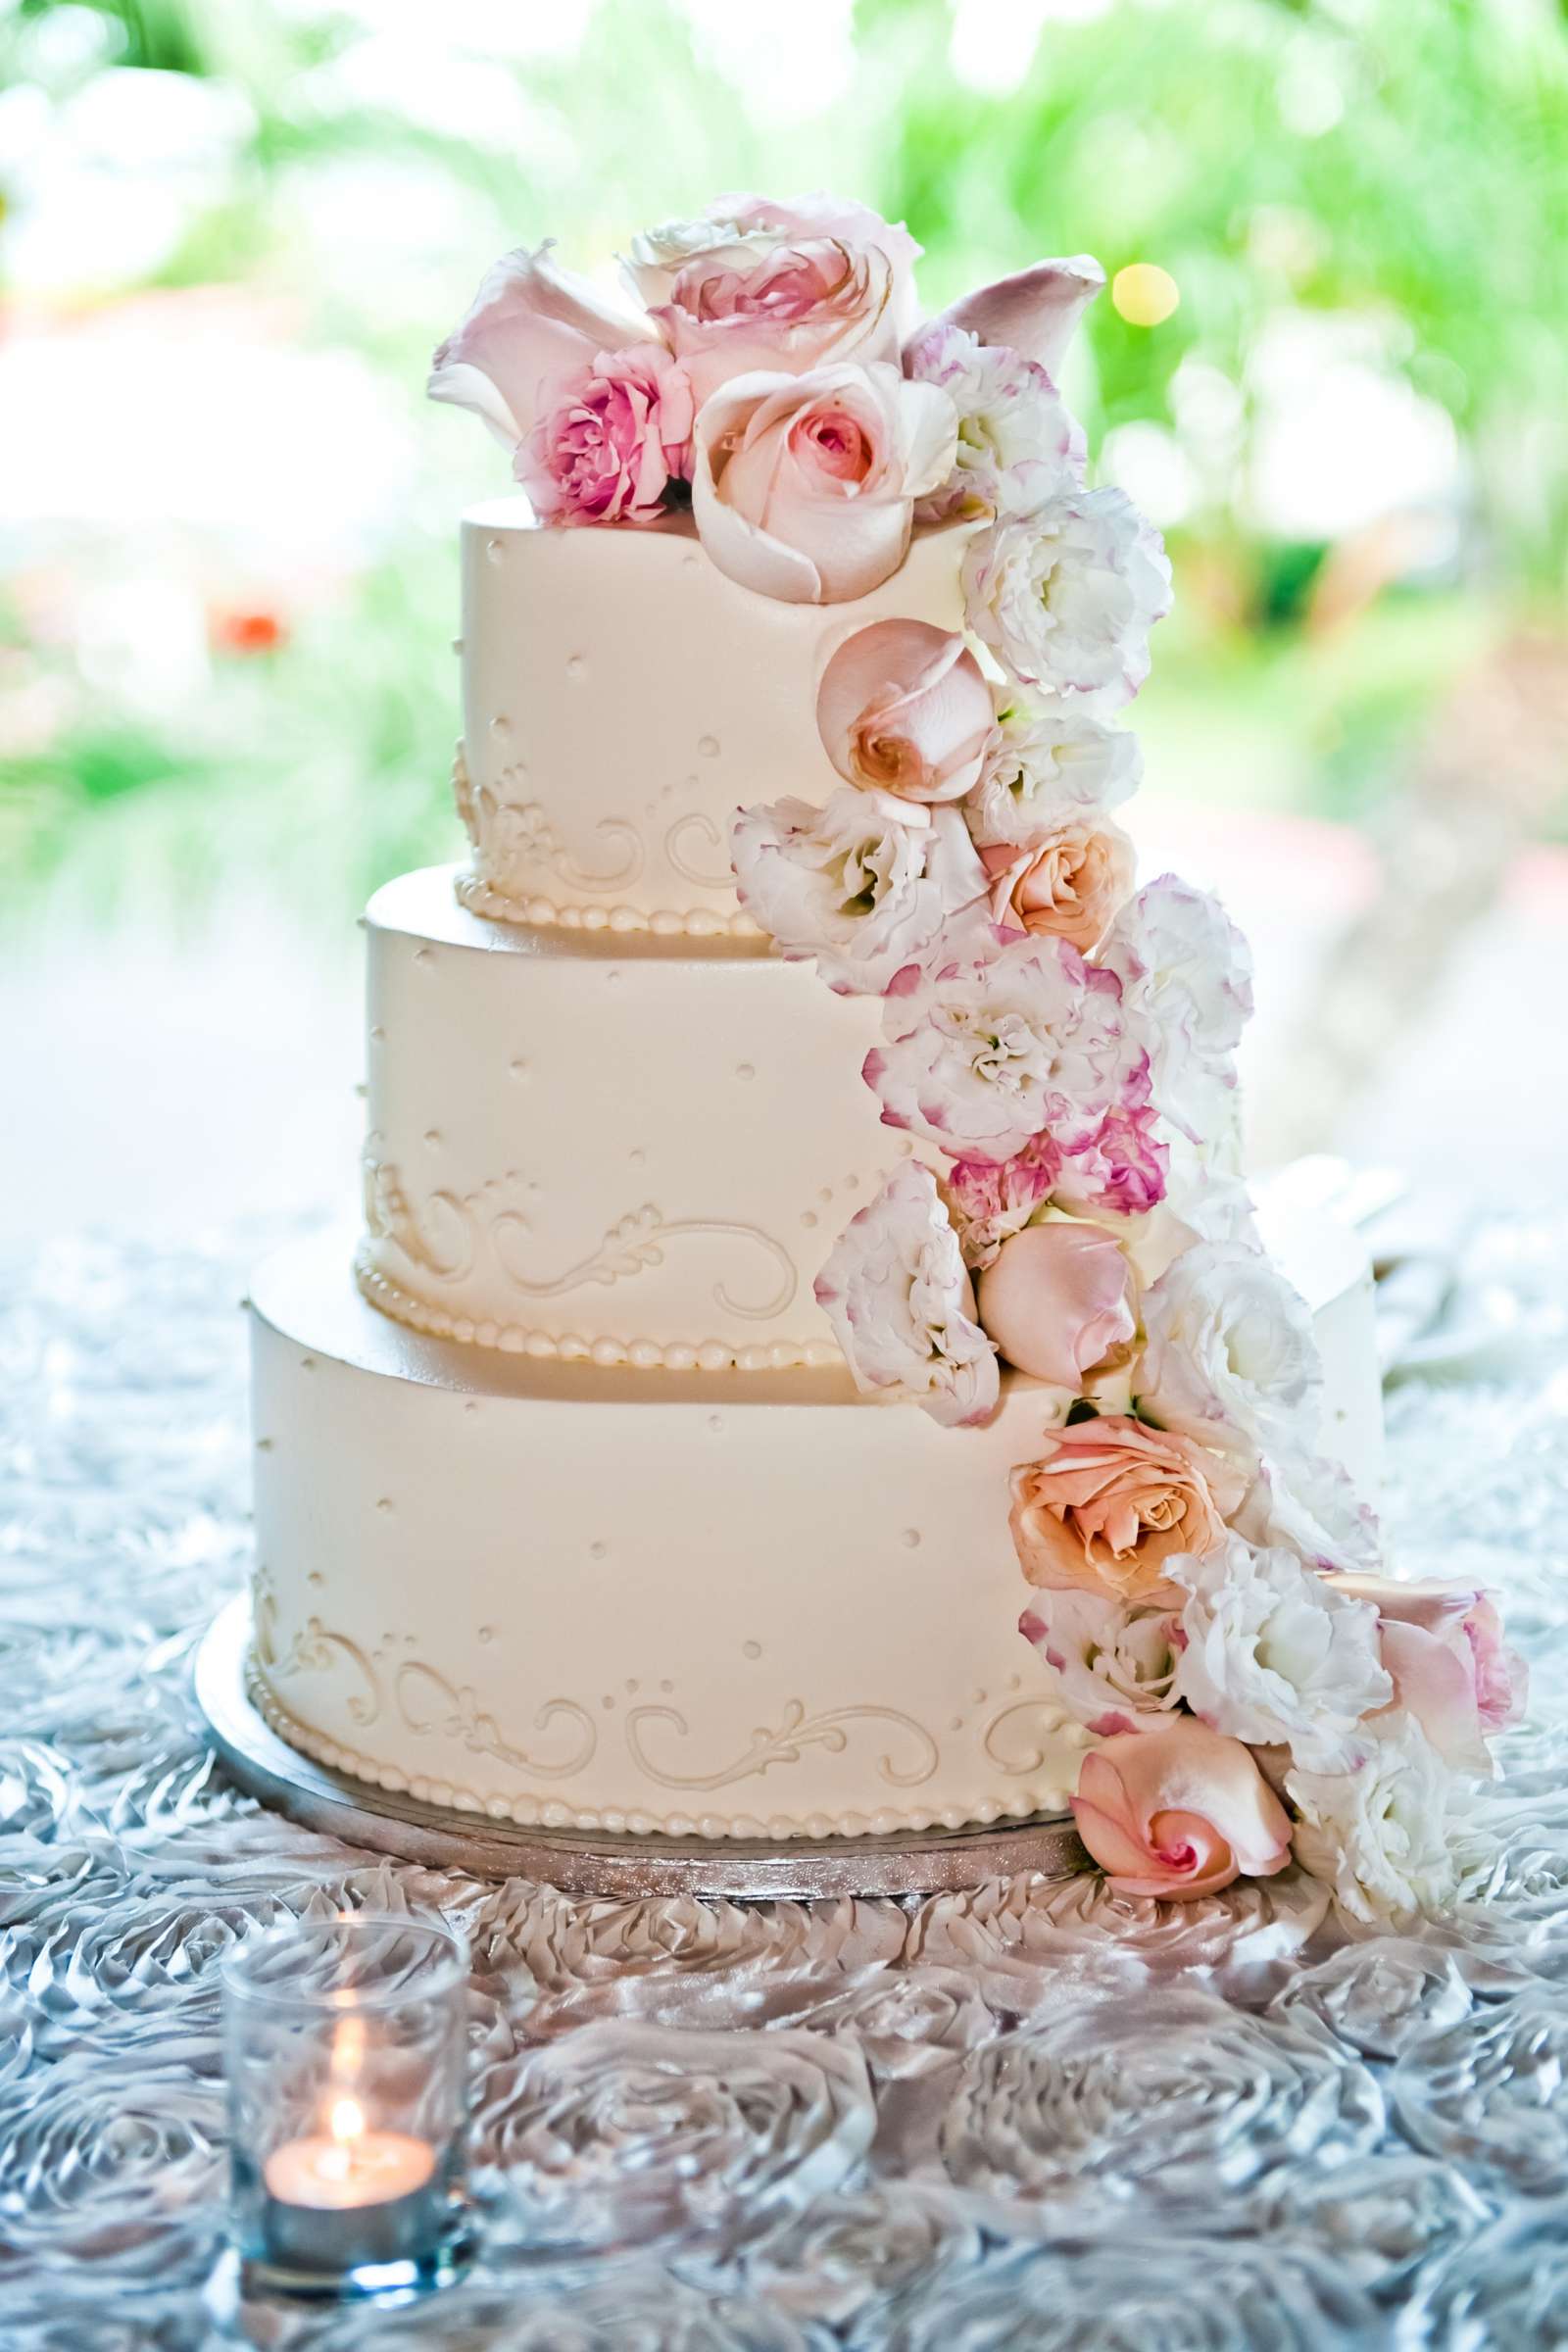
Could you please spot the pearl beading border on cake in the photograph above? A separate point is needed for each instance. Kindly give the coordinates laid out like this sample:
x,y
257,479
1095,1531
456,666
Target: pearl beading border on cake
x,y
549,1813
542,1346
699,922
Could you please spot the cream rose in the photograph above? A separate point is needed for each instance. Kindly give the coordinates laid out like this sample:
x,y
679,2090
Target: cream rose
x,y
904,709
1179,1812
803,487
1069,882
1110,1503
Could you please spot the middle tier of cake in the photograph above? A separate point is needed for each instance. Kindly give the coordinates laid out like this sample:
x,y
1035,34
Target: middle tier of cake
x,y
633,1154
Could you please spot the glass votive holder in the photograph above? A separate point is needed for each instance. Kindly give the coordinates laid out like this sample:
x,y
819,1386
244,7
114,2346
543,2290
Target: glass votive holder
x,y
346,2048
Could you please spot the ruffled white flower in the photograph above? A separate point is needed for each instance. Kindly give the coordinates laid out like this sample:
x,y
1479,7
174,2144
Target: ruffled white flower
x,y
982,1055
1048,763
1231,1357
1065,596
1115,1666
1274,1656
1310,1504
1379,1836
1187,983
902,1305
1014,433
861,885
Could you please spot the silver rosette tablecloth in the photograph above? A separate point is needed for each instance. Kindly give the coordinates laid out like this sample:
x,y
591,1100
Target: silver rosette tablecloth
x,y
1034,2115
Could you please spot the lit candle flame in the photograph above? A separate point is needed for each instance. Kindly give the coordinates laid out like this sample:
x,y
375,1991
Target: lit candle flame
x,y
345,2119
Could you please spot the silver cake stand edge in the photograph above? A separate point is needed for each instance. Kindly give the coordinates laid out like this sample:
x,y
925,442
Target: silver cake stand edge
x,y
584,1862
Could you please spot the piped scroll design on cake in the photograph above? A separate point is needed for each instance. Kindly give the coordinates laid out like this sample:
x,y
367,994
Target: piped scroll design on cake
x,y
1017,1740
450,1711
638,1241
441,1235
795,1732
313,1650
511,835
717,875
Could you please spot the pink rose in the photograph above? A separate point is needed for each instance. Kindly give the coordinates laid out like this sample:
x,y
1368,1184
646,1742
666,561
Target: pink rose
x,y
617,435
1033,311
1070,881
1056,1299
1110,1501
1179,1812
1443,1645
904,708
993,1198
785,287
1123,1166
531,326
803,487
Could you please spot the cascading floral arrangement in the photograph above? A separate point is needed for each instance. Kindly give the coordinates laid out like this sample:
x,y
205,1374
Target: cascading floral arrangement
x,y
1206,1590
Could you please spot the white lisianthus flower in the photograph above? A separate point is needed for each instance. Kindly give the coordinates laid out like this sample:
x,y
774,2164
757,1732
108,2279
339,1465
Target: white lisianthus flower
x,y
1231,1358
1047,763
1065,596
1187,983
1273,1655
1116,1664
902,1305
1379,1836
1013,430
1310,1504
862,885
982,1055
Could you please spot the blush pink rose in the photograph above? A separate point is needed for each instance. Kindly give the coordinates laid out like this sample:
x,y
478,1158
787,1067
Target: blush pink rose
x,y
530,328
1179,1812
1443,1645
1070,881
615,436
803,487
1057,1300
1110,1501
904,709
798,306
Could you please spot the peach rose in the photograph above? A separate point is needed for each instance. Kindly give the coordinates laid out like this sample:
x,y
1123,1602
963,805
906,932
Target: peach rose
x,y
1071,881
1056,1299
1179,1812
1443,1645
803,487
904,708
1111,1500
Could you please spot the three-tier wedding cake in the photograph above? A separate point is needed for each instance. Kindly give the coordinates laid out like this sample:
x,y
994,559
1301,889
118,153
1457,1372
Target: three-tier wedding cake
x,y
595,1488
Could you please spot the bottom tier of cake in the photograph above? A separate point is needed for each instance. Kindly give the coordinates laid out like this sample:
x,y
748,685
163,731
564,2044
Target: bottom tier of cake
x,y
695,1604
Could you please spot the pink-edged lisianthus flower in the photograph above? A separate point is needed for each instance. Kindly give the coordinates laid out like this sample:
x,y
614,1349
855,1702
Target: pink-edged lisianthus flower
x,y
803,487
897,1295
1115,1666
783,286
1379,1835
531,326
1123,1166
1068,882
904,709
1443,1645
1058,1300
612,440
984,1054
1179,1812
1231,1357
1109,1503
1187,981
861,885
1050,764
1012,423
991,1199
1274,1655
1065,594
1034,312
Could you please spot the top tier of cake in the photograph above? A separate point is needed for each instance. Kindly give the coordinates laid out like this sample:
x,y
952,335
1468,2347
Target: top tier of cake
x,y
622,698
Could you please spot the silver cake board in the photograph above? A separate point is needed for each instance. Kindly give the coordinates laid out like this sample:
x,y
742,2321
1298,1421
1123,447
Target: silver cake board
x,y
585,1862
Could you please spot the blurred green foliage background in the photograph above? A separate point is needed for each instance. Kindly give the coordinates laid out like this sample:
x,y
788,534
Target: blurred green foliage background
x,y
232,232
